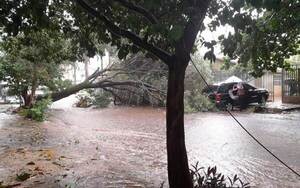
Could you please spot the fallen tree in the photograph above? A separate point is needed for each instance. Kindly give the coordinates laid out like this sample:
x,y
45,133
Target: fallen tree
x,y
39,64
109,80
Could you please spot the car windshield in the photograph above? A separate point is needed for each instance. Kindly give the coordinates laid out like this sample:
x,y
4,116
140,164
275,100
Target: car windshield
x,y
225,87
248,86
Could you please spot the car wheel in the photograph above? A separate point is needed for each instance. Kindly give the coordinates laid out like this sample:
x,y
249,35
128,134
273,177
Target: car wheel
x,y
263,101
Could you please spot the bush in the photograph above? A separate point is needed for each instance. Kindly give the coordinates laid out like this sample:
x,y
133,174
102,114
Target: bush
x,y
212,179
91,97
196,102
37,111
85,99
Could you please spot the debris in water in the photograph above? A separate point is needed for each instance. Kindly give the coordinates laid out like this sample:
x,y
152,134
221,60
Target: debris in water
x,y
23,176
31,163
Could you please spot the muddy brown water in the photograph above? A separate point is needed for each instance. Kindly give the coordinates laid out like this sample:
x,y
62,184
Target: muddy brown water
x,y
125,147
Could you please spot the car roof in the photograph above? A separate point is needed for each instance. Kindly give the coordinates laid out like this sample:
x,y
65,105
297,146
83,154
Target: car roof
x,y
229,83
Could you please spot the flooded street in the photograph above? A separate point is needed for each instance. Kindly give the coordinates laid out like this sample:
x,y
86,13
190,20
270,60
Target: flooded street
x,y
125,147
215,139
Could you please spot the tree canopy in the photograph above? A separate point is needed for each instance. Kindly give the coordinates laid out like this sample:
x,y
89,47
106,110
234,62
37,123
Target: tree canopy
x,y
33,60
268,41
157,27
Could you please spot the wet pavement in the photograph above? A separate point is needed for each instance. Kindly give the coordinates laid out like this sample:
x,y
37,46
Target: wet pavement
x,y
278,106
125,147
215,139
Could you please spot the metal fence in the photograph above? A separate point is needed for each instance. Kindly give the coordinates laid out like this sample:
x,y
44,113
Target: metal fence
x,y
291,82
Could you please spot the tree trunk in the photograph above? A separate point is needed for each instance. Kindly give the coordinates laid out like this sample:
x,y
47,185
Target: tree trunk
x,y
27,98
33,89
67,92
178,168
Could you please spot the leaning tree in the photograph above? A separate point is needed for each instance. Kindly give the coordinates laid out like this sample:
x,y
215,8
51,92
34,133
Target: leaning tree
x,y
168,30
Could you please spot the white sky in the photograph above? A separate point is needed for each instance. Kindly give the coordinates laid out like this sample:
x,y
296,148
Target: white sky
x,y
208,36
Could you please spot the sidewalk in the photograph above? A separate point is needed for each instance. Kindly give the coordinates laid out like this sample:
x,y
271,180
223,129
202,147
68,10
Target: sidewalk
x,y
281,107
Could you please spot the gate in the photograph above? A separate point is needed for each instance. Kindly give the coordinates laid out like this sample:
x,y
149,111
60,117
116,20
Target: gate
x,y
291,85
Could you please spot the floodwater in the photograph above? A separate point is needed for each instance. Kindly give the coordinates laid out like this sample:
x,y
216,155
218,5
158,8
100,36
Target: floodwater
x,y
125,147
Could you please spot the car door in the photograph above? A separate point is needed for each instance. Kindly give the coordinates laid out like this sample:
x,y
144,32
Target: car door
x,y
251,93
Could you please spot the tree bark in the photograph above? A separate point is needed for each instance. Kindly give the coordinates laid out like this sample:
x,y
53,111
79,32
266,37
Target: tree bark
x,y
26,97
67,92
33,87
178,168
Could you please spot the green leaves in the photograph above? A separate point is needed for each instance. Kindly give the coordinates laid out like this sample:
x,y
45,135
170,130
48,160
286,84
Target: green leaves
x,y
123,52
259,26
255,3
176,32
152,4
237,4
33,60
260,38
37,112
268,4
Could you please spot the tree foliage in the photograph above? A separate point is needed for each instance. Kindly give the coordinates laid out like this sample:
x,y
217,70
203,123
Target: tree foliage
x,y
260,36
33,60
264,43
143,70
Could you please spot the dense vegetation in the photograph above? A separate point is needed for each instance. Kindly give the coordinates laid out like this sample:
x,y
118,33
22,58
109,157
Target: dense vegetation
x,y
32,61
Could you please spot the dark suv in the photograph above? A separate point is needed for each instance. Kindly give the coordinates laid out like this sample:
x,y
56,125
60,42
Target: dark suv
x,y
226,98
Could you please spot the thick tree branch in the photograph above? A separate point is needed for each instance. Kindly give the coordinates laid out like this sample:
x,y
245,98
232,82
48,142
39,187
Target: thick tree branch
x,y
100,84
139,9
134,38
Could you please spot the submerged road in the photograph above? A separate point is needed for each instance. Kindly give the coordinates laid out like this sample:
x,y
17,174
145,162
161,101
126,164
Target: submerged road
x,y
125,147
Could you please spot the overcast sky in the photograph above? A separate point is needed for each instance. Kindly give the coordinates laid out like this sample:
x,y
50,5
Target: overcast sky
x,y
208,36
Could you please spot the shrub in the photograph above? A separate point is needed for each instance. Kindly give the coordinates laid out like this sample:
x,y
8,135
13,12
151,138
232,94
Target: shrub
x,y
92,97
212,179
196,102
85,99
37,111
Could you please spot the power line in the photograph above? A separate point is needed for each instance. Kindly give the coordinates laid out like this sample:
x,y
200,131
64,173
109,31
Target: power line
x,y
241,125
